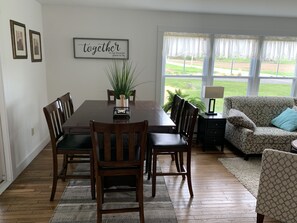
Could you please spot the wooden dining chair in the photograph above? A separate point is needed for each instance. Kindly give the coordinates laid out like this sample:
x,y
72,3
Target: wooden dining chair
x,y
111,96
74,148
66,105
175,115
164,143
119,152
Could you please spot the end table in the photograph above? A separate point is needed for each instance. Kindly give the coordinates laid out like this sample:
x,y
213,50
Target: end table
x,y
211,130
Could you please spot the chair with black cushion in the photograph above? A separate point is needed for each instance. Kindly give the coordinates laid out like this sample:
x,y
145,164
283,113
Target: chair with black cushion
x,y
66,104
119,153
74,148
176,109
164,143
111,96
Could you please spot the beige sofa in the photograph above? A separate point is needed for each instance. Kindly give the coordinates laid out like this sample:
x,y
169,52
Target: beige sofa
x,y
261,110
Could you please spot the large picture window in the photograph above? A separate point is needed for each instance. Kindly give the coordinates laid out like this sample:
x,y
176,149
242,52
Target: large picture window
x,y
243,65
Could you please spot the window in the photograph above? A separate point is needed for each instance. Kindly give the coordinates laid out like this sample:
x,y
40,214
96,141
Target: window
x,y
232,87
278,64
184,55
233,55
242,64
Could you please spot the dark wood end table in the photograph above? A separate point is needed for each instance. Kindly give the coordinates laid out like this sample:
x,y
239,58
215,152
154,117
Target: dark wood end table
x,y
211,130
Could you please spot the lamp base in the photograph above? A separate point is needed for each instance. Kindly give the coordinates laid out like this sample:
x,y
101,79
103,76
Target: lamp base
x,y
210,113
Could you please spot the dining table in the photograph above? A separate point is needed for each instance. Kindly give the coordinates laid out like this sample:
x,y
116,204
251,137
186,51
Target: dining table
x,y
103,111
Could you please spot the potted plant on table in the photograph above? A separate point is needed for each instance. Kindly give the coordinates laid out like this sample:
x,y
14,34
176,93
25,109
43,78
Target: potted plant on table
x,y
122,77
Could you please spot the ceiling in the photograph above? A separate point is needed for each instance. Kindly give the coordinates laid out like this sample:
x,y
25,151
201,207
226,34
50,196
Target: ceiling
x,y
279,8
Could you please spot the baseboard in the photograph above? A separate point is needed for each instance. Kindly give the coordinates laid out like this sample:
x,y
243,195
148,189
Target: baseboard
x,y
30,157
4,185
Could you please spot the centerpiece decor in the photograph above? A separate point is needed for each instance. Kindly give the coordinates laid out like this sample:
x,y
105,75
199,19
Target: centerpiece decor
x,y
122,77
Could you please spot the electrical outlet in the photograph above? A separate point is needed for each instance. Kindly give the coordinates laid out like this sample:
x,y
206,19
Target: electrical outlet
x,y
32,131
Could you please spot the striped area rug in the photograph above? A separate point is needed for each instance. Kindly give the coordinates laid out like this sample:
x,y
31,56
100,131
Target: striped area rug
x,y
76,205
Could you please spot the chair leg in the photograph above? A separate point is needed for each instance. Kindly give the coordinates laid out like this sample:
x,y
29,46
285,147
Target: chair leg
x,y
154,174
260,218
173,157
140,199
64,167
181,163
92,176
55,178
148,162
177,162
189,174
100,193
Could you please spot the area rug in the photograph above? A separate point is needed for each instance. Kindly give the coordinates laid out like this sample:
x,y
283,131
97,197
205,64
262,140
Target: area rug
x,y
76,205
247,172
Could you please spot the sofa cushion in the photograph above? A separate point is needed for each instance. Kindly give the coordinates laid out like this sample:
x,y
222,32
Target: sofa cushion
x,y
238,118
287,120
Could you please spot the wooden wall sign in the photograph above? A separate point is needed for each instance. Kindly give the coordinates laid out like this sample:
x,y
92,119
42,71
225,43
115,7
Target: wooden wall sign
x,y
101,48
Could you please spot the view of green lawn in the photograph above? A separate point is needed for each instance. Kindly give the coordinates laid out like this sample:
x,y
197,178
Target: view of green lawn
x,y
233,87
192,87
285,68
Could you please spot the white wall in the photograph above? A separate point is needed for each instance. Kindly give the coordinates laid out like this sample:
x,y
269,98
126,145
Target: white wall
x,y
24,88
86,78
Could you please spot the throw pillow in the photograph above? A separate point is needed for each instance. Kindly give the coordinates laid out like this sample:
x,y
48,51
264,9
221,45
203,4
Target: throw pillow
x,y
287,120
240,119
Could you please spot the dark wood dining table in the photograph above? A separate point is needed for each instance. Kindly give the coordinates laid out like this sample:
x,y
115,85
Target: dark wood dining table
x,y
102,111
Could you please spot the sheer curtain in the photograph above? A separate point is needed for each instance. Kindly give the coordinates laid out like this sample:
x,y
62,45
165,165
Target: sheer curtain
x,y
229,46
278,48
185,44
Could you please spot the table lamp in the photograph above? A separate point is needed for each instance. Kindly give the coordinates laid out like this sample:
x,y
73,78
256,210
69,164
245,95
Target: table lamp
x,y
212,92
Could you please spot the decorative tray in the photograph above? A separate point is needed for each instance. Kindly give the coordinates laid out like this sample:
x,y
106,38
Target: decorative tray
x,y
121,113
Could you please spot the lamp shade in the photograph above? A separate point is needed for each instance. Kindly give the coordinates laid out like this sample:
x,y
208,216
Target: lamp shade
x,y
213,92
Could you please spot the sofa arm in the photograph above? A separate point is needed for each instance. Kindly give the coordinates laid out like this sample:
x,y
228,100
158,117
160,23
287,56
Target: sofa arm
x,y
227,106
277,193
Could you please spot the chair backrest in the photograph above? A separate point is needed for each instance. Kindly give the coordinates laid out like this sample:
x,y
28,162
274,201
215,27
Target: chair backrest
x,y
132,96
111,96
54,118
66,105
187,122
176,110
119,144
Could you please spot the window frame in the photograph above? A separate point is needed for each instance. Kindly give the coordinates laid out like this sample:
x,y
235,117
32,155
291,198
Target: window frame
x,y
207,76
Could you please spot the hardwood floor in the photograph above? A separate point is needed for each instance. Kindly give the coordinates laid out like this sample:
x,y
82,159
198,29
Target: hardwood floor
x,y
218,196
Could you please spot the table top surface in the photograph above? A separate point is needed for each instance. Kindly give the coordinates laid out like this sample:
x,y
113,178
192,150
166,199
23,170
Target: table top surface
x,y
102,111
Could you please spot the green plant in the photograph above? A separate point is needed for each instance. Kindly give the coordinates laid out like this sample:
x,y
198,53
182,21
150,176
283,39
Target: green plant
x,y
194,100
122,77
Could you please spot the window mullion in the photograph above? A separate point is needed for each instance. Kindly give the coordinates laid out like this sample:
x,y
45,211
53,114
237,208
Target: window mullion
x,y
294,83
208,65
254,80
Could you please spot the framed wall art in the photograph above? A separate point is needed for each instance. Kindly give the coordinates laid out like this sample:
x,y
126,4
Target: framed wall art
x,y
35,46
95,48
18,40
